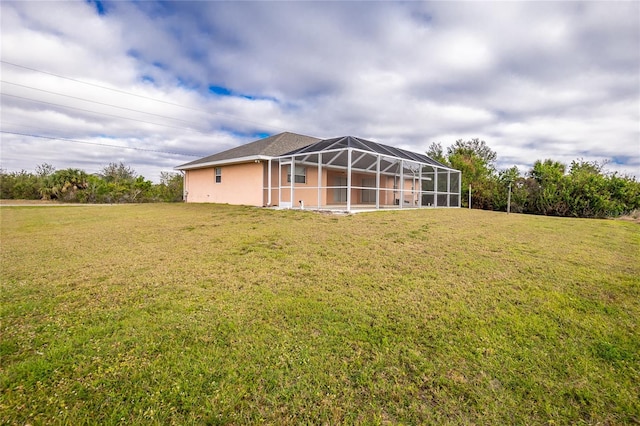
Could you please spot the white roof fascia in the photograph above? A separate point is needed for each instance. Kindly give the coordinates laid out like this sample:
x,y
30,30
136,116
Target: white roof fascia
x,y
248,159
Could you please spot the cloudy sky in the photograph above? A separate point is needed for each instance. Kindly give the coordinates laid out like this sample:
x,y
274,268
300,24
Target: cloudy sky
x,y
158,84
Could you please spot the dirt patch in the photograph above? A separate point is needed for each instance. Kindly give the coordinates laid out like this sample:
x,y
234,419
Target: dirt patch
x,y
27,202
634,217
43,203
630,219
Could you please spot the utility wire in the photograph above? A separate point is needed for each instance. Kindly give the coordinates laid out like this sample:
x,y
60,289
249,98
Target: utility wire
x,y
56,130
98,143
99,103
101,87
101,113
232,117
45,128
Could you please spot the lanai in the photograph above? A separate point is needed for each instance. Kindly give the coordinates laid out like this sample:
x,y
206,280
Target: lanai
x,y
350,173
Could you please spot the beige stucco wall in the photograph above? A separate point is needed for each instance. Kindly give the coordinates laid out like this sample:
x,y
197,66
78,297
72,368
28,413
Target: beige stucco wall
x,y
247,184
241,184
307,192
388,195
198,185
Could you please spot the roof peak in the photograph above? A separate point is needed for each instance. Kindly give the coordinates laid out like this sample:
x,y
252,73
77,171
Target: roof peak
x,y
271,146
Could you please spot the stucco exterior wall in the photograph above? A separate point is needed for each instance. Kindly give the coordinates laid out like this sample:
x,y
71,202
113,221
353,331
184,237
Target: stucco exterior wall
x,y
240,184
247,184
306,192
389,194
198,185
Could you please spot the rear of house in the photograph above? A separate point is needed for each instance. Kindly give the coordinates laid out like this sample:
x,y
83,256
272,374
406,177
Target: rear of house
x,y
345,173
238,175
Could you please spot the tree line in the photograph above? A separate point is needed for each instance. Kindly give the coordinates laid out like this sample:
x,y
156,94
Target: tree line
x,y
115,183
584,189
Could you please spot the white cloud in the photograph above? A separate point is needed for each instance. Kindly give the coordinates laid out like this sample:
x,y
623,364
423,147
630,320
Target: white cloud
x,y
535,80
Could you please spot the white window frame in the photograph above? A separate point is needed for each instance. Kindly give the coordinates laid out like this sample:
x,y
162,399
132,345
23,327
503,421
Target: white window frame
x,y
218,175
300,176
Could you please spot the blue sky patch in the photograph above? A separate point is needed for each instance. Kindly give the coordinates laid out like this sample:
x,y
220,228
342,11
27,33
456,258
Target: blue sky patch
x,y
246,135
219,90
134,53
99,6
620,159
260,98
223,91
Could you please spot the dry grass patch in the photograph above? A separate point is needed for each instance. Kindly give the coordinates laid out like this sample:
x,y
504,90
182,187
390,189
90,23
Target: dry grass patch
x,y
192,314
634,216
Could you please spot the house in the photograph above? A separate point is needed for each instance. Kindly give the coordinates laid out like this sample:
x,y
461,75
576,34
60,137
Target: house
x,y
345,173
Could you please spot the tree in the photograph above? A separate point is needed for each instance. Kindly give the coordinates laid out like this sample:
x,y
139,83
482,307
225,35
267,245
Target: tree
x,y
547,171
118,172
625,190
548,196
476,162
140,190
170,187
123,185
504,179
20,185
592,193
474,147
44,170
435,152
64,185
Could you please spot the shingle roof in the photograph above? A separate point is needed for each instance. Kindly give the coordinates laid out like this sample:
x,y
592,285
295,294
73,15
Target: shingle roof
x,y
365,145
273,146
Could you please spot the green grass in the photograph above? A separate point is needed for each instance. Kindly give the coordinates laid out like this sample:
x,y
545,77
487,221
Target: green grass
x,y
205,314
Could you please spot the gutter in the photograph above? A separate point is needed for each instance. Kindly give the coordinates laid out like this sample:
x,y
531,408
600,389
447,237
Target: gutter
x,y
248,159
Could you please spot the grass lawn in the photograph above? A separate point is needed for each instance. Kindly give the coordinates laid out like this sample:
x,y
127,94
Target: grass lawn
x,y
209,314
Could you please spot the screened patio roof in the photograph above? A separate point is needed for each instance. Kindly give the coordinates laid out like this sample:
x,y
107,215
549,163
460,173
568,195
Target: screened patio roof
x,y
365,145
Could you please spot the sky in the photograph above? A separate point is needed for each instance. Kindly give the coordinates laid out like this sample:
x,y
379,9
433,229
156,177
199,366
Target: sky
x,y
157,84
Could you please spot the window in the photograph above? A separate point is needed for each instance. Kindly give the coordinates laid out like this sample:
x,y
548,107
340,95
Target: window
x,y
218,174
301,175
369,195
340,193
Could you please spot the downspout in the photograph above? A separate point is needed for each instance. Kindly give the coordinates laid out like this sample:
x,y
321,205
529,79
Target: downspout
x,y
401,185
319,180
279,182
269,183
292,179
184,186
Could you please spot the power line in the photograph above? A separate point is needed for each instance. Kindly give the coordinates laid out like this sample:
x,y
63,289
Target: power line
x,y
98,143
101,113
96,102
57,130
101,87
46,128
232,117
